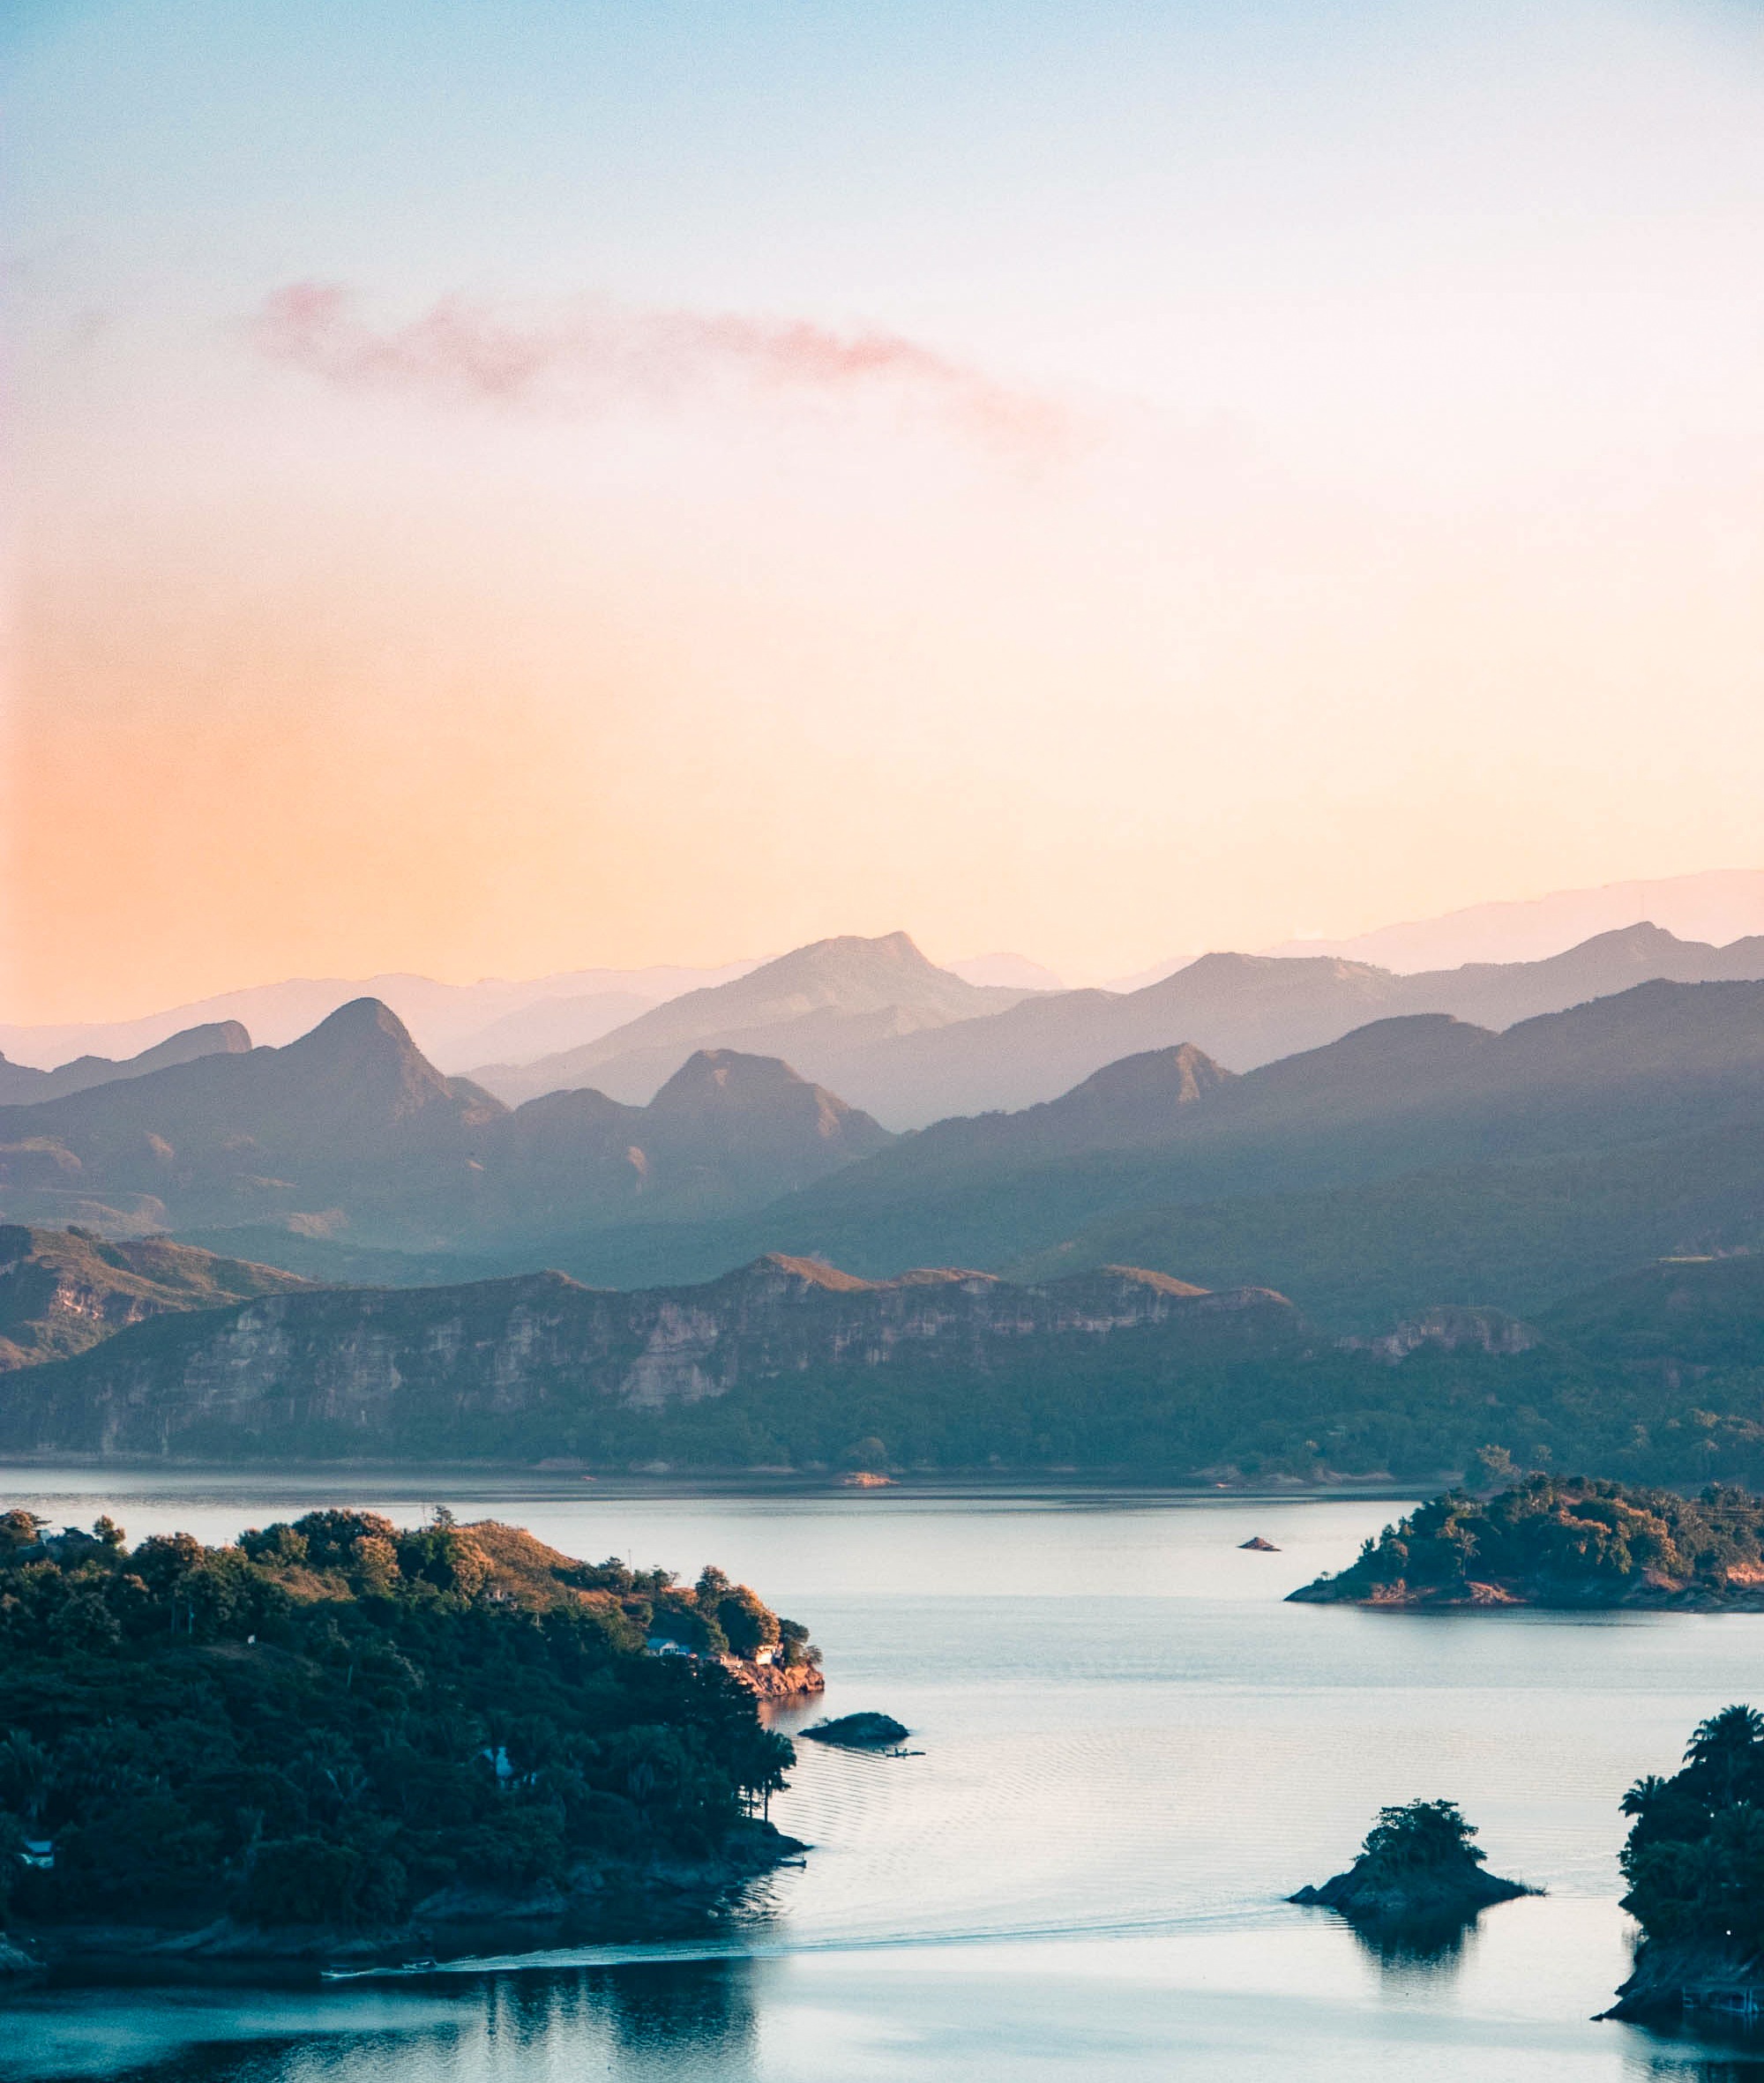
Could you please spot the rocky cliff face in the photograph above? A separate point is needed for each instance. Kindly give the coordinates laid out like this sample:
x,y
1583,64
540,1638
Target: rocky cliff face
x,y
509,1368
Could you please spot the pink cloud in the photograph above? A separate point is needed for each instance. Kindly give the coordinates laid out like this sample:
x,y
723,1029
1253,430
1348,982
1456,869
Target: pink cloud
x,y
593,355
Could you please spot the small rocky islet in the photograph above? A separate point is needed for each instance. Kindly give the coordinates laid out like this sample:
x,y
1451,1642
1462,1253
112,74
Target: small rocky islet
x,y
864,1731
1418,1865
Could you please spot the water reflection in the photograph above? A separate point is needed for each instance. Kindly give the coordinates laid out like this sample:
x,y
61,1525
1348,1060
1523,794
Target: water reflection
x,y
688,2019
705,2005
1130,1752
1418,1949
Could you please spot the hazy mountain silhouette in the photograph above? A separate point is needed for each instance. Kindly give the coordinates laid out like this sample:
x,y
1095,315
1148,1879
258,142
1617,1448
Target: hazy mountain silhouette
x,y
1418,1095
351,1129
1243,1010
450,1022
826,1001
1716,906
20,1085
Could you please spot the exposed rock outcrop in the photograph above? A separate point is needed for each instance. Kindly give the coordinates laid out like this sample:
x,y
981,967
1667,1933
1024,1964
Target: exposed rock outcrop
x,y
506,1369
1668,1980
864,1731
1428,1895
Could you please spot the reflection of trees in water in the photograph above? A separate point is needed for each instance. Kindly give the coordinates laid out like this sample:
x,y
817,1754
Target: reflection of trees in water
x,y
1430,1949
1690,2068
694,2021
658,2006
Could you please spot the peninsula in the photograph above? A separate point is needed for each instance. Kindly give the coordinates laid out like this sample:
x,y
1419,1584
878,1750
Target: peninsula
x,y
341,1738
1692,1862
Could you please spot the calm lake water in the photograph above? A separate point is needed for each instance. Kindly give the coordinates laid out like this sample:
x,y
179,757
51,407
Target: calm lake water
x,y
1131,1750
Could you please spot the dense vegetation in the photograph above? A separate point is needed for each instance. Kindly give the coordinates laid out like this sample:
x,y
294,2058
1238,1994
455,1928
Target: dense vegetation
x,y
1563,1543
1694,1859
1519,1235
1417,1866
334,1719
1657,1378
1418,1836
1308,1413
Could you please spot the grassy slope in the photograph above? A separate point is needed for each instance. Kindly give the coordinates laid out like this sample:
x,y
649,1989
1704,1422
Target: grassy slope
x,y
63,1291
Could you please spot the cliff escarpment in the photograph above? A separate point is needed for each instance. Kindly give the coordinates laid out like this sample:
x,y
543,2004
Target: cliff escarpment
x,y
526,1368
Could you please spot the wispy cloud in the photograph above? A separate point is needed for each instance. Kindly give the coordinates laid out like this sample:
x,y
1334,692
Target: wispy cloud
x,y
591,357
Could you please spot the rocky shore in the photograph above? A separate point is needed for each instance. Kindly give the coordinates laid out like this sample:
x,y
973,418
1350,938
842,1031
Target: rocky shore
x,y
1668,1980
775,1681
1431,1896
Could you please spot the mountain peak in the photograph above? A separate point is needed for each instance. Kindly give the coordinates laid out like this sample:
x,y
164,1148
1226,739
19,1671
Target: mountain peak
x,y
721,1077
1154,1077
365,1050
364,1022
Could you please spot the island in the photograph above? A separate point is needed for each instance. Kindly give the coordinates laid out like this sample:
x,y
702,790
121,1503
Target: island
x,y
1567,1542
1416,1866
1694,1865
864,1731
342,1739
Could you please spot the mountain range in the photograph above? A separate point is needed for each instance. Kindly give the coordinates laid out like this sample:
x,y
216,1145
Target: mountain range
x,y
829,1003
1417,1160
790,1364
1420,1158
1717,905
456,1025
22,1085
352,1127
911,1044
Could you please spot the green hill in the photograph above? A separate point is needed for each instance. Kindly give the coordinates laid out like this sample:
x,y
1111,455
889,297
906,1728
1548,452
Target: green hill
x,y
372,1732
62,1291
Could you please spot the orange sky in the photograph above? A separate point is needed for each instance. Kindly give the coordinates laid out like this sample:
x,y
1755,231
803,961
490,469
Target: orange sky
x,y
1105,569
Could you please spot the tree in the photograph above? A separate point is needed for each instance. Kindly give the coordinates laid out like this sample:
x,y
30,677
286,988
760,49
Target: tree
x,y
1420,1833
747,1621
26,1775
1725,1747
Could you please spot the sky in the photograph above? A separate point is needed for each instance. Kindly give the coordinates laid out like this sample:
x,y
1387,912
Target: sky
x,y
501,486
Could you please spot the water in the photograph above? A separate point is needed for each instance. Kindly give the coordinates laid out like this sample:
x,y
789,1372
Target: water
x,y
1131,1750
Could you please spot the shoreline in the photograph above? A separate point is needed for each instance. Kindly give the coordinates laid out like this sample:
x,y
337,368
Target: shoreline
x,y
1750,1599
609,1905
535,1479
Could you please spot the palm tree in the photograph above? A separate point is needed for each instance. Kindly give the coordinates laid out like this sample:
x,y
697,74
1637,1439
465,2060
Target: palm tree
x,y
1726,1745
1642,1796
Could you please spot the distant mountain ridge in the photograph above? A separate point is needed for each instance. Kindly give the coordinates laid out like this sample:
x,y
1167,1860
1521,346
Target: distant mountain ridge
x,y
352,1128
1721,904
22,1085
825,999
1243,1011
456,1025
